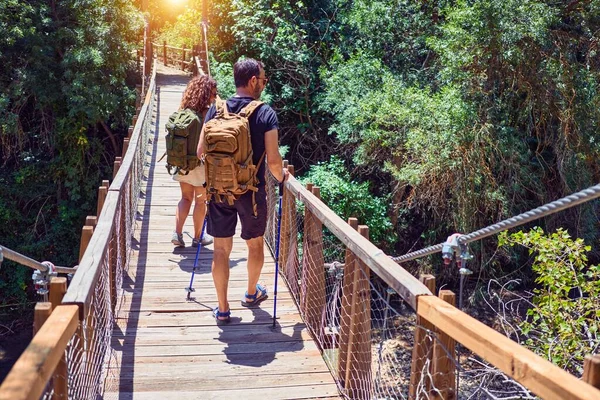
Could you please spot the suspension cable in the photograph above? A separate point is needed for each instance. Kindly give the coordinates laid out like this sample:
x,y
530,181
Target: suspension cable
x,y
31,263
583,196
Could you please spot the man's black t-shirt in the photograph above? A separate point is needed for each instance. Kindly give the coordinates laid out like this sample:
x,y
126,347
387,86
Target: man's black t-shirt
x,y
262,120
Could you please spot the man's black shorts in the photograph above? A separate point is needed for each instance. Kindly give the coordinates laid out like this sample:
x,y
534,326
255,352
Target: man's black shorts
x,y
222,218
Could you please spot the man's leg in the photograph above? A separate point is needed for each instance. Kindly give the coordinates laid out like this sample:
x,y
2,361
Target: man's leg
x,y
220,270
256,259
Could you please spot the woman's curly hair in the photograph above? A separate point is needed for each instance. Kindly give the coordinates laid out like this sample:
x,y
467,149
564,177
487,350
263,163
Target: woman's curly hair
x,y
197,94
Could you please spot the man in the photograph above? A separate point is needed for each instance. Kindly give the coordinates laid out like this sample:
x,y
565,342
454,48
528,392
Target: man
x,y
250,81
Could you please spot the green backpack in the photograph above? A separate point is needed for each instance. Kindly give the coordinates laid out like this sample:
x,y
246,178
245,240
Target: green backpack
x,y
183,133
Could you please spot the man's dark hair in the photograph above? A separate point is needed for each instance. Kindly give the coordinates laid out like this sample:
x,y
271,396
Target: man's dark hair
x,y
244,70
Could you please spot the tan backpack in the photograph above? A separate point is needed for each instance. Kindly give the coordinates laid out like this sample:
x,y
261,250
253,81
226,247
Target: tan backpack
x,y
230,171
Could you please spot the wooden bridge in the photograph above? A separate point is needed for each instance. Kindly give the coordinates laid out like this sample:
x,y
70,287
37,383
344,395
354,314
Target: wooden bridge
x,y
125,330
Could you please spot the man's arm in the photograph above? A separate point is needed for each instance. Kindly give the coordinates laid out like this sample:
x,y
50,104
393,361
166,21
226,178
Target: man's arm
x,y
274,160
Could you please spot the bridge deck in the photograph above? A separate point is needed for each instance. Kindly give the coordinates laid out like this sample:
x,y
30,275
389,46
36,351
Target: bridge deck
x,y
170,348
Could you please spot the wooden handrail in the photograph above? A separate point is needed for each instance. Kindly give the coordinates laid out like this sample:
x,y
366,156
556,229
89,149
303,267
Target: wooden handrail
x,y
198,65
406,285
30,374
537,374
169,47
81,289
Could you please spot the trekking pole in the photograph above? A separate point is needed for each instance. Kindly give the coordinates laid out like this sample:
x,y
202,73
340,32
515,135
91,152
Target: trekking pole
x,y
191,289
277,254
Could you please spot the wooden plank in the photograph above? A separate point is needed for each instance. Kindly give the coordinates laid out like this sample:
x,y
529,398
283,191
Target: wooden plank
x,y
286,392
216,348
32,370
406,285
209,381
207,335
539,375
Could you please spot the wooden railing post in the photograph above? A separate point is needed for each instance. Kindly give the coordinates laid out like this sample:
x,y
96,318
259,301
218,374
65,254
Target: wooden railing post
x,y
315,273
121,255
116,166
346,314
41,313
86,236
125,146
422,349
289,256
165,53
91,220
183,60
358,381
305,245
58,288
591,370
443,367
102,192
286,225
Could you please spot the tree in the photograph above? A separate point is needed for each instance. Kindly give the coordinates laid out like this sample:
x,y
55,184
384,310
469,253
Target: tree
x,y
65,103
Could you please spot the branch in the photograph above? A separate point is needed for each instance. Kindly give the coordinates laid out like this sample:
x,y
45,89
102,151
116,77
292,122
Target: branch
x,y
111,136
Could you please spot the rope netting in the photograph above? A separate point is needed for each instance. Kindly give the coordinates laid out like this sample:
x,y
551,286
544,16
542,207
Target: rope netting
x,y
373,342
89,361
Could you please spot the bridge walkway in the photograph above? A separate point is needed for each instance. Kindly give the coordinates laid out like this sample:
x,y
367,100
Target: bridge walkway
x,y
170,348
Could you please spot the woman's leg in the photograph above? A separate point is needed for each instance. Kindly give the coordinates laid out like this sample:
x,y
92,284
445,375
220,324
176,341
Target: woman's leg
x,y
183,208
199,210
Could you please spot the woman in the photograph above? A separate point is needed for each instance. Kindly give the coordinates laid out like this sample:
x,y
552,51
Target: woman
x,y
199,94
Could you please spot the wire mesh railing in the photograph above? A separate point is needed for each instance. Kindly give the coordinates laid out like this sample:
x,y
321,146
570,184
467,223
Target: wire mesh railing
x,y
78,353
361,309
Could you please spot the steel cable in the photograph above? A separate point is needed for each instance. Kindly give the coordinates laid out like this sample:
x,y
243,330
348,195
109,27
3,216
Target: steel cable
x,y
583,196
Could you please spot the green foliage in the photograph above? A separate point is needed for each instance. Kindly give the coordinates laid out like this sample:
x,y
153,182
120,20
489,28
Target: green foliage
x,y
186,31
222,72
563,322
348,198
66,100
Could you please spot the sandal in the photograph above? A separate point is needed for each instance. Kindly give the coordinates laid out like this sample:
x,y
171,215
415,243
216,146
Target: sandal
x,y
259,296
221,317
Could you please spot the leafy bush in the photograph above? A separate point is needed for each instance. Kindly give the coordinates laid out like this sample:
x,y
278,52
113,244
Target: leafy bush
x,y
348,198
562,324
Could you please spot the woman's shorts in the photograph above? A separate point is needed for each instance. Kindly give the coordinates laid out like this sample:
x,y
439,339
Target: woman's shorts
x,y
196,177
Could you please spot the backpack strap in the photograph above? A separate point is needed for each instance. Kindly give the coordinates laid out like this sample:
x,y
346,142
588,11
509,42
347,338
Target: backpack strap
x,y
221,107
249,109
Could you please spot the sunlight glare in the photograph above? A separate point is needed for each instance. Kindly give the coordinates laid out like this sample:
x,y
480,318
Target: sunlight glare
x,y
176,2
